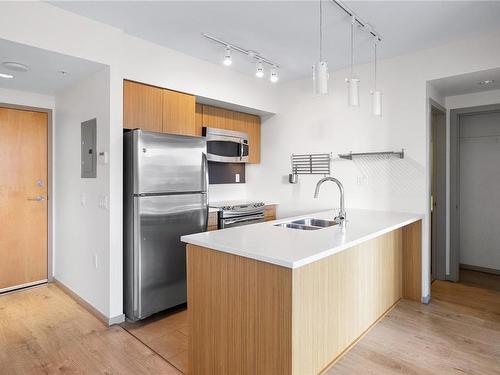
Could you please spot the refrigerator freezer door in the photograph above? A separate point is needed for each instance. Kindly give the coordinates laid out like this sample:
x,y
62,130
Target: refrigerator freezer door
x,y
166,163
160,256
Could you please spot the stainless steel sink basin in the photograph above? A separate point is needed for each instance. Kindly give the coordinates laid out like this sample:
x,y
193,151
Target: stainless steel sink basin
x,y
308,223
296,226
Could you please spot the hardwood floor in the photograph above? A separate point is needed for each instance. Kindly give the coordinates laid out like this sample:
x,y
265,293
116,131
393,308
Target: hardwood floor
x,y
480,279
43,331
166,334
457,333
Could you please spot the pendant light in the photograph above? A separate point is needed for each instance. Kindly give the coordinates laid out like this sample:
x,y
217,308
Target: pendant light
x,y
376,95
320,70
352,81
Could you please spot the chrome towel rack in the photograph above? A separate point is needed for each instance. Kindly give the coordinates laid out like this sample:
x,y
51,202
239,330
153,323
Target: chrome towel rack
x,y
351,155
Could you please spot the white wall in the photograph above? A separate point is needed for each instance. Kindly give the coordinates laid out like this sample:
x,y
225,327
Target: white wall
x,y
82,228
472,100
28,99
304,123
42,25
307,123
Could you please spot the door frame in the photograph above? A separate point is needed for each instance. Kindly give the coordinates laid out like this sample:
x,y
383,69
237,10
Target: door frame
x,y
434,105
50,183
455,181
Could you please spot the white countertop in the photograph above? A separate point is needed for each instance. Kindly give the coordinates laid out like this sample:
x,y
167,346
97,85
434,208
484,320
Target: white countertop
x,y
293,248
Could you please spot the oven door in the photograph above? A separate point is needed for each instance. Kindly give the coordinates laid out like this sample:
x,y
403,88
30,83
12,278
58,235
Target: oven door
x,y
226,146
241,220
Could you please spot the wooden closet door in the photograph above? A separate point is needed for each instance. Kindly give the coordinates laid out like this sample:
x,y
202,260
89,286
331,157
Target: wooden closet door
x,y
23,197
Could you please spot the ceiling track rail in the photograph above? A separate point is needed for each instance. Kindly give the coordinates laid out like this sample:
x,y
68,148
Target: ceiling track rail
x,y
359,20
250,53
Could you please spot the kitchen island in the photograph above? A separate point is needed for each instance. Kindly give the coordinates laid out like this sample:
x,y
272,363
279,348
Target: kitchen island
x,y
268,299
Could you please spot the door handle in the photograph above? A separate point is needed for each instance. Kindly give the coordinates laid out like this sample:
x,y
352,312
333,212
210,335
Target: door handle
x,y
38,198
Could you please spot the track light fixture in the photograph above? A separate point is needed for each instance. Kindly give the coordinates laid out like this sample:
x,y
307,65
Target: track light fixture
x,y
259,72
228,60
274,75
261,60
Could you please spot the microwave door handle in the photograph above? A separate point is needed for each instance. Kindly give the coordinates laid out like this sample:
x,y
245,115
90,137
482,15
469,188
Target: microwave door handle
x,y
241,149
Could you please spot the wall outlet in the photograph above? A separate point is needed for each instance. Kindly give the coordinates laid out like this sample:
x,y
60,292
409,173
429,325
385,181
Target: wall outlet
x,y
96,263
103,202
83,199
237,177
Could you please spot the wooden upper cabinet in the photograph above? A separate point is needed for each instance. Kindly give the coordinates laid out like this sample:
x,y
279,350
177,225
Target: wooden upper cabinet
x,y
179,115
198,119
142,106
253,129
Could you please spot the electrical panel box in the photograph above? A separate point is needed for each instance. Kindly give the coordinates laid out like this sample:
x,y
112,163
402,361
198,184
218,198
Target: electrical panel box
x,y
89,153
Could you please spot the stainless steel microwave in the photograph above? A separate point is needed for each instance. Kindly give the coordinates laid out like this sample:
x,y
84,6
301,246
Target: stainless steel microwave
x,y
226,146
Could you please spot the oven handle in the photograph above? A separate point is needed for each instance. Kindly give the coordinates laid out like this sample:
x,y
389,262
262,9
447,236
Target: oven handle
x,y
243,219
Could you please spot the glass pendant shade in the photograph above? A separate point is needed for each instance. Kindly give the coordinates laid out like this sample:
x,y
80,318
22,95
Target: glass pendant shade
x,y
377,103
320,78
353,92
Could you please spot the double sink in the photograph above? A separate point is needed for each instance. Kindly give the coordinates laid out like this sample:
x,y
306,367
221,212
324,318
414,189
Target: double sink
x,y
308,223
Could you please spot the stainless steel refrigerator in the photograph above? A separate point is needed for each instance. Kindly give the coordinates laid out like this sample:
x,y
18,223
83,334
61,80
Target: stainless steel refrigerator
x,y
165,197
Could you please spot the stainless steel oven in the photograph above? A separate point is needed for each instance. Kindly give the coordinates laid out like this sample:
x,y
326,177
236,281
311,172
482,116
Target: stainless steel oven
x,y
241,214
226,146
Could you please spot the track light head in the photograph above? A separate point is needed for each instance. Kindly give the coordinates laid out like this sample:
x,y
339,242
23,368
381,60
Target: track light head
x,y
228,60
260,70
274,74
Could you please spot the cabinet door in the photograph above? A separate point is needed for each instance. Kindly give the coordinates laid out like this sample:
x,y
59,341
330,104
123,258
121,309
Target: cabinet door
x,y
142,106
215,117
178,113
199,119
252,128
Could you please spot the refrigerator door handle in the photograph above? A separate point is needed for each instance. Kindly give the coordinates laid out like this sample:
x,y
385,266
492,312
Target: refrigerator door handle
x,y
137,259
205,167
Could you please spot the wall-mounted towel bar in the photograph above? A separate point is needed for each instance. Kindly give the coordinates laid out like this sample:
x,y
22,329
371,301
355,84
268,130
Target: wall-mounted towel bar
x,y
351,155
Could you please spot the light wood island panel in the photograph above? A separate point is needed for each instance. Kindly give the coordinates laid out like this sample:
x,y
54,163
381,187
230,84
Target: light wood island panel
x,y
252,317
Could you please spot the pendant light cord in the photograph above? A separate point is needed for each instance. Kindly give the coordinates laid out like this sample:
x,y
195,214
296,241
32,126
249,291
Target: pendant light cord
x,y
352,45
375,65
320,30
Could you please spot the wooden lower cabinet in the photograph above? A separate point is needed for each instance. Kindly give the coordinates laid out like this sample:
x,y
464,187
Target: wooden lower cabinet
x,y
270,212
251,317
212,221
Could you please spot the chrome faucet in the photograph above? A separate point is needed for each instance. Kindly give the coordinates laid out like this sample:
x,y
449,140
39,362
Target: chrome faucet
x,y
341,217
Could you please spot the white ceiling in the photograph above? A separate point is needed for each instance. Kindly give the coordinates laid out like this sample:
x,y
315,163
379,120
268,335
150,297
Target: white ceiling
x,y
43,76
287,31
467,83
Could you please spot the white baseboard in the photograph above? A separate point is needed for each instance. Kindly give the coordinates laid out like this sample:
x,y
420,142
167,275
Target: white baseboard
x,y
426,299
87,306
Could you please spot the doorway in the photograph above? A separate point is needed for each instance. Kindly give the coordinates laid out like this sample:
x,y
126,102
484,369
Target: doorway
x,y
438,192
475,198
23,198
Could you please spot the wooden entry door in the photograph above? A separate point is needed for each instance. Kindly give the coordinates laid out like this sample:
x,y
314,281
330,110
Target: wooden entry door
x,y
23,198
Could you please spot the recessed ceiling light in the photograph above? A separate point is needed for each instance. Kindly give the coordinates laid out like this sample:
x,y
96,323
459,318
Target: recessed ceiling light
x,y
486,82
5,75
62,72
15,66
